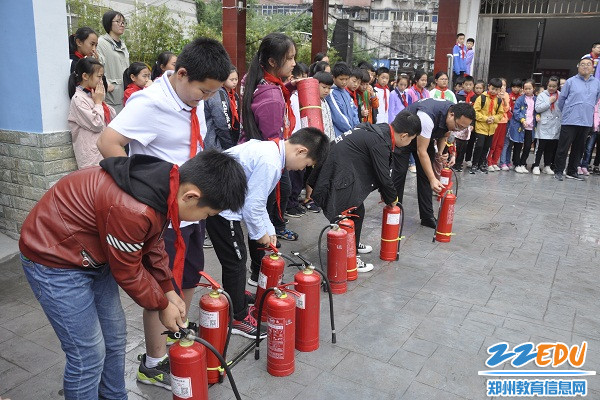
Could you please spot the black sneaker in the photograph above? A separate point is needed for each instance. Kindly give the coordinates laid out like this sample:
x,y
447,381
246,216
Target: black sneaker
x,y
247,328
207,242
473,170
293,213
157,376
574,177
596,170
483,169
558,177
300,209
312,206
457,169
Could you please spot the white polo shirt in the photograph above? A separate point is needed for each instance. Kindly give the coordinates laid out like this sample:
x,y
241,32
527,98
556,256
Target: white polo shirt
x,y
158,122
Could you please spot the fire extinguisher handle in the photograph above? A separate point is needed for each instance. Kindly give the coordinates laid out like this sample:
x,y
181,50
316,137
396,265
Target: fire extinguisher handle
x,y
348,211
215,285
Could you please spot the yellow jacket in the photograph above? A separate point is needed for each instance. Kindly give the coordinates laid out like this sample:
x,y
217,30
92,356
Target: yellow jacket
x,y
482,114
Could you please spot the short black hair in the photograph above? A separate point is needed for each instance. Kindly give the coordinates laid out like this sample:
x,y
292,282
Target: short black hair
x,y
300,69
220,178
341,68
460,80
463,109
382,70
358,73
317,66
324,77
459,35
469,78
495,82
366,65
366,77
107,19
204,58
480,82
595,44
319,57
407,122
516,83
315,141
471,40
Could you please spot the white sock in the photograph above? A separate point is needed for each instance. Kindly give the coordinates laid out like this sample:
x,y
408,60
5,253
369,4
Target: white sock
x,y
152,362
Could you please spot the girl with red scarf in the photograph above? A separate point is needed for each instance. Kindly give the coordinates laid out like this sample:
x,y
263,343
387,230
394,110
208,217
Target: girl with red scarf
x,y
267,112
222,115
441,90
82,44
88,113
135,78
418,89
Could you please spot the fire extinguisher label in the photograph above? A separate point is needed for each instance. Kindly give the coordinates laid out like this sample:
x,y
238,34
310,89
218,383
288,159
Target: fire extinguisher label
x,y
301,301
209,319
444,180
393,219
181,387
276,338
262,280
450,217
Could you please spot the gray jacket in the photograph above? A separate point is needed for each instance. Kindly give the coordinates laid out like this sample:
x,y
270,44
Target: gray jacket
x,y
116,61
549,125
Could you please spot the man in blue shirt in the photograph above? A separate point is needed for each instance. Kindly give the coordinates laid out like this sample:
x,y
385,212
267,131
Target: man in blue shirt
x,y
459,53
263,163
577,100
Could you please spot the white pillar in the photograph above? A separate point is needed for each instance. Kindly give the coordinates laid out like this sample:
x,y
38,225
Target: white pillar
x,y
481,61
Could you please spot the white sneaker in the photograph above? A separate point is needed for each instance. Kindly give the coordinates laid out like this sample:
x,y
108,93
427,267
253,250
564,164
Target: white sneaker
x,y
524,169
548,170
469,164
412,168
252,282
518,169
504,167
536,170
491,168
361,266
496,168
364,248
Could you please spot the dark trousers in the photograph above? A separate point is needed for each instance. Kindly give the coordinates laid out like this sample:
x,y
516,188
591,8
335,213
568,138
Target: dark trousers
x,y
470,145
461,149
273,208
573,137
520,157
228,241
482,146
297,184
546,148
193,236
424,192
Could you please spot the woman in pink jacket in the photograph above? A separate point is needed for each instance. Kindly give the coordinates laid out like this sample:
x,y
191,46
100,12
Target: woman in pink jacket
x,y
88,114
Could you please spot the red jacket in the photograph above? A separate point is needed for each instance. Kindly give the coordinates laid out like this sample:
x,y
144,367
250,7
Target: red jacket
x,y
87,219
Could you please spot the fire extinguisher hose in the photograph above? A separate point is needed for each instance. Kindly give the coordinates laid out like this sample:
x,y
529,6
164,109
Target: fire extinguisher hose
x,y
455,183
329,226
259,318
401,229
221,359
229,329
333,338
439,213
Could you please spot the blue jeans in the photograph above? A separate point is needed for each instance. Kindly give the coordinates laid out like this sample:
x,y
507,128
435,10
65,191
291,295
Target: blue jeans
x,y
506,151
84,308
589,148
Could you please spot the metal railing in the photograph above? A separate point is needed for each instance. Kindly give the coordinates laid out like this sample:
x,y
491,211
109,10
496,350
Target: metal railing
x,y
546,8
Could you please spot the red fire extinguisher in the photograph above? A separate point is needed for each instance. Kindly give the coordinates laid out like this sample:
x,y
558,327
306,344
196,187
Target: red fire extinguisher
x,y
281,332
271,273
308,309
188,370
443,232
309,100
391,232
347,224
215,318
446,181
337,259
187,359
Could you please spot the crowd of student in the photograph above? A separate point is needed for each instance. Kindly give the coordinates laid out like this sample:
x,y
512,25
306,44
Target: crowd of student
x,y
177,143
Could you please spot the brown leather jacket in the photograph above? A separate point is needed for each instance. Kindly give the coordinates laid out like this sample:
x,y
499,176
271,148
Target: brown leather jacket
x,y
85,220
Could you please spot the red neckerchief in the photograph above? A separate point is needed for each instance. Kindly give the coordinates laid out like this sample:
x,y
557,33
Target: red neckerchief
x,y
462,50
402,97
491,106
419,91
353,94
393,138
278,188
443,91
287,132
469,96
553,104
235,118
131,89
79,55
195,136
105,108
173,215
593,56
385,100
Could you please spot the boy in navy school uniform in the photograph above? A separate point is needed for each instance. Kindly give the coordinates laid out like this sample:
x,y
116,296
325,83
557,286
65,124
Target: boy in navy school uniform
x,y
344,112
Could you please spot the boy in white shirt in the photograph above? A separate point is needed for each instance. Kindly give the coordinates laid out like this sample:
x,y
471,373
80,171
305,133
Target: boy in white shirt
x,y
383,95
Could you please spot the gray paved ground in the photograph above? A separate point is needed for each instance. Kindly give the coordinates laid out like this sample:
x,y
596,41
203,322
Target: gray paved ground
x,y
523,266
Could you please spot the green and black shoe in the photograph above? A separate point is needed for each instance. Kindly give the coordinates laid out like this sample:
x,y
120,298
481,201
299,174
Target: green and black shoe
x,y
157,376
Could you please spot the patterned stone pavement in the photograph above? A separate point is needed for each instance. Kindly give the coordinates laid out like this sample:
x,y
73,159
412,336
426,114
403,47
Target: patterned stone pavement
x,y
521,268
